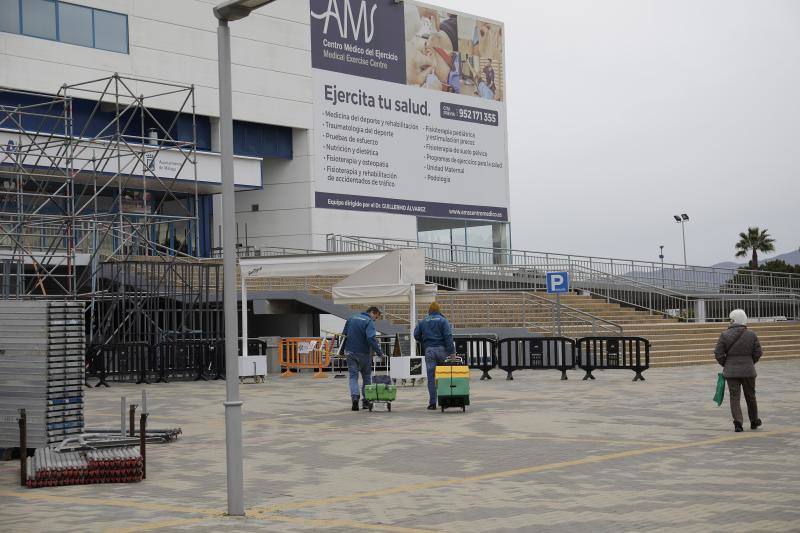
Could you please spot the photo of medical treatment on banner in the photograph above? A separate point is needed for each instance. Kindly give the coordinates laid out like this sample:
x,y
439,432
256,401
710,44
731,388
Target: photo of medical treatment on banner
x,y
409,111
453,53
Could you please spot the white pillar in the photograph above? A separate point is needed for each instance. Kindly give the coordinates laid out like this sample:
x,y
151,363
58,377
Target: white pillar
x,y
245,337
412,318
700,311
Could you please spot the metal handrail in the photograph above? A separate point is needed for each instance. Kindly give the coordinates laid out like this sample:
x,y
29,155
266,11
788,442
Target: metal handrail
x,y
668,299
689,276
632,293
581,314
572,312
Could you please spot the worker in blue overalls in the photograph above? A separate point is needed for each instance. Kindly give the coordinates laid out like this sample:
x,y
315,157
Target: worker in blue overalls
x,y
359,332
436,337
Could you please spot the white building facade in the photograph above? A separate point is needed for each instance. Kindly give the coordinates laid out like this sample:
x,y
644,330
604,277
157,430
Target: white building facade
x,y
47,43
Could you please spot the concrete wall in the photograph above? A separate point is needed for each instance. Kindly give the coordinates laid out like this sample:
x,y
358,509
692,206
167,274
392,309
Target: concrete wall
x,y
284,204
175,41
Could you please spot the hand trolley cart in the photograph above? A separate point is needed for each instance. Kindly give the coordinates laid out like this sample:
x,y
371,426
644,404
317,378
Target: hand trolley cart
x,y
382,389
452,383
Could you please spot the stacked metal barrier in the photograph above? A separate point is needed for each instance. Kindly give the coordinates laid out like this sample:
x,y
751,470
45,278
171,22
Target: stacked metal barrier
x,y
49,468
41,370
65,370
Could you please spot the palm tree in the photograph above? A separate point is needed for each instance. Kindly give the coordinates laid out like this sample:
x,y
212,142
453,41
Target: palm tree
x,y
756,240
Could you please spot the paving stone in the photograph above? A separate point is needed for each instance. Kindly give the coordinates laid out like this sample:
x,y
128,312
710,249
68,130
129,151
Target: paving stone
x,y
533,454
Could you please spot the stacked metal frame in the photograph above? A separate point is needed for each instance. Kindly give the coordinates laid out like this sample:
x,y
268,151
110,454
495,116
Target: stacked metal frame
x,y
41,370
96,182
79,189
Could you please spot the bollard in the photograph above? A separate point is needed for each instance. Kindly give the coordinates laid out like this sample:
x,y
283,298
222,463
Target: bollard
x,y
132,413
122,431
143,442
23,447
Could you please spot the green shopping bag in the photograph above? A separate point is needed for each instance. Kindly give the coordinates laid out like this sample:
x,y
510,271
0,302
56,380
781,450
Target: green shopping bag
x,y
720,394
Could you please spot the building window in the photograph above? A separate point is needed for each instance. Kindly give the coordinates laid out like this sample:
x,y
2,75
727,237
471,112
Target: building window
x,y
65,22
39,18
110,31
75,25
9,16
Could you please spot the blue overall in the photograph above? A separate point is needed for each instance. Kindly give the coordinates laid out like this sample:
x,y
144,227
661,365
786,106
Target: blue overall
x,y
436,337
359,331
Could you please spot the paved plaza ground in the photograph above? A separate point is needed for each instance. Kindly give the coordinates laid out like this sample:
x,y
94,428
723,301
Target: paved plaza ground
x,y
533,454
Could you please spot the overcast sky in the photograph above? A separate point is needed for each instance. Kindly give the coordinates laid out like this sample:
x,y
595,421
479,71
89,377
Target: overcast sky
x,y
622,113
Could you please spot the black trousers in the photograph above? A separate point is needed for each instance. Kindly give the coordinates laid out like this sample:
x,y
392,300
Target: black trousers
x,y
734,388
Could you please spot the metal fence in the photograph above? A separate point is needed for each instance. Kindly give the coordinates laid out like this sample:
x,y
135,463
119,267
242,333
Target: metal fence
x,y
623,353
682,278
690,307
532,353
154,301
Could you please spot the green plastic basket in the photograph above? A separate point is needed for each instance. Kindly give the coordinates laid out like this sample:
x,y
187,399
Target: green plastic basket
x,y
380,393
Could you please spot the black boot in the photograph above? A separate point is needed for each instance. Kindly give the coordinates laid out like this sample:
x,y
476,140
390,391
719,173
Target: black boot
x,y
355,405
756,424
737,426
432,407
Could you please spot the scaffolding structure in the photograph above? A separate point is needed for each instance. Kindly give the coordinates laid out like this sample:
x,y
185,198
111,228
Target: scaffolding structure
x,y
103,173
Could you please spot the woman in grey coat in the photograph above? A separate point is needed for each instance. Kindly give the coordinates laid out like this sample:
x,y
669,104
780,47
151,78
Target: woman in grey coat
x,y
737,351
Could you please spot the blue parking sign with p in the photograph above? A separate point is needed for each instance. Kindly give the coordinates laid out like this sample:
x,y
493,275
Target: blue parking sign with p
x,y
557,282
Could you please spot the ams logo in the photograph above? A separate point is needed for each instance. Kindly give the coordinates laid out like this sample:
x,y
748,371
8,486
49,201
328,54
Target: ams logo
x,y
347,20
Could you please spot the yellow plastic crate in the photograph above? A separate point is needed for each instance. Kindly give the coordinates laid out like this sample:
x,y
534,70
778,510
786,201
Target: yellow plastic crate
x,y
443,371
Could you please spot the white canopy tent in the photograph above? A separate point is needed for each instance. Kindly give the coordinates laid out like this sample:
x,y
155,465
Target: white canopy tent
x,y
373,278
397,277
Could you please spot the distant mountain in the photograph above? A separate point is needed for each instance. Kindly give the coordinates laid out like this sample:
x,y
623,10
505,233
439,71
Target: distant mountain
x,y
727,264
676,276
793,258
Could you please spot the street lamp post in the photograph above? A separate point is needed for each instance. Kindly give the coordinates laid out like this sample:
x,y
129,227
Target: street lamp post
x,y
226,12
661,256
682,219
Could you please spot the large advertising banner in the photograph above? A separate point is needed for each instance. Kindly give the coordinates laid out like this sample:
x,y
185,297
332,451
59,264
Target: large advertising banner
x,y
409,111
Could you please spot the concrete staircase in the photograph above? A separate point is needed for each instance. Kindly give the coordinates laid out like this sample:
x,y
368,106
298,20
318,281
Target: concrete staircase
x,y
680,344
673,343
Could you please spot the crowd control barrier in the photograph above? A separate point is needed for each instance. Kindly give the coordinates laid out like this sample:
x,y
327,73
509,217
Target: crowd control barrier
x,y
298,353
611,353
478,352
195,359
119,362
534,353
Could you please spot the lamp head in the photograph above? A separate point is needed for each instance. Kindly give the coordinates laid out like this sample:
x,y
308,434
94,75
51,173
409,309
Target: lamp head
x,y
684,216
677,218
238,9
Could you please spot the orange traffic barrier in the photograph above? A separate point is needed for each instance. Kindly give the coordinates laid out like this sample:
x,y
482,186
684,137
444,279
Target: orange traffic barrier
x,y
295,353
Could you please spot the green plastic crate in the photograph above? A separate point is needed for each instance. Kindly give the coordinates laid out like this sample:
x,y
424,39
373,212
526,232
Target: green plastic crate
x,y
380,393
452,387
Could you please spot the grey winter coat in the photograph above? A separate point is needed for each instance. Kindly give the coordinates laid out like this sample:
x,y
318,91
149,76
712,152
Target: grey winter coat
x,y
738,357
